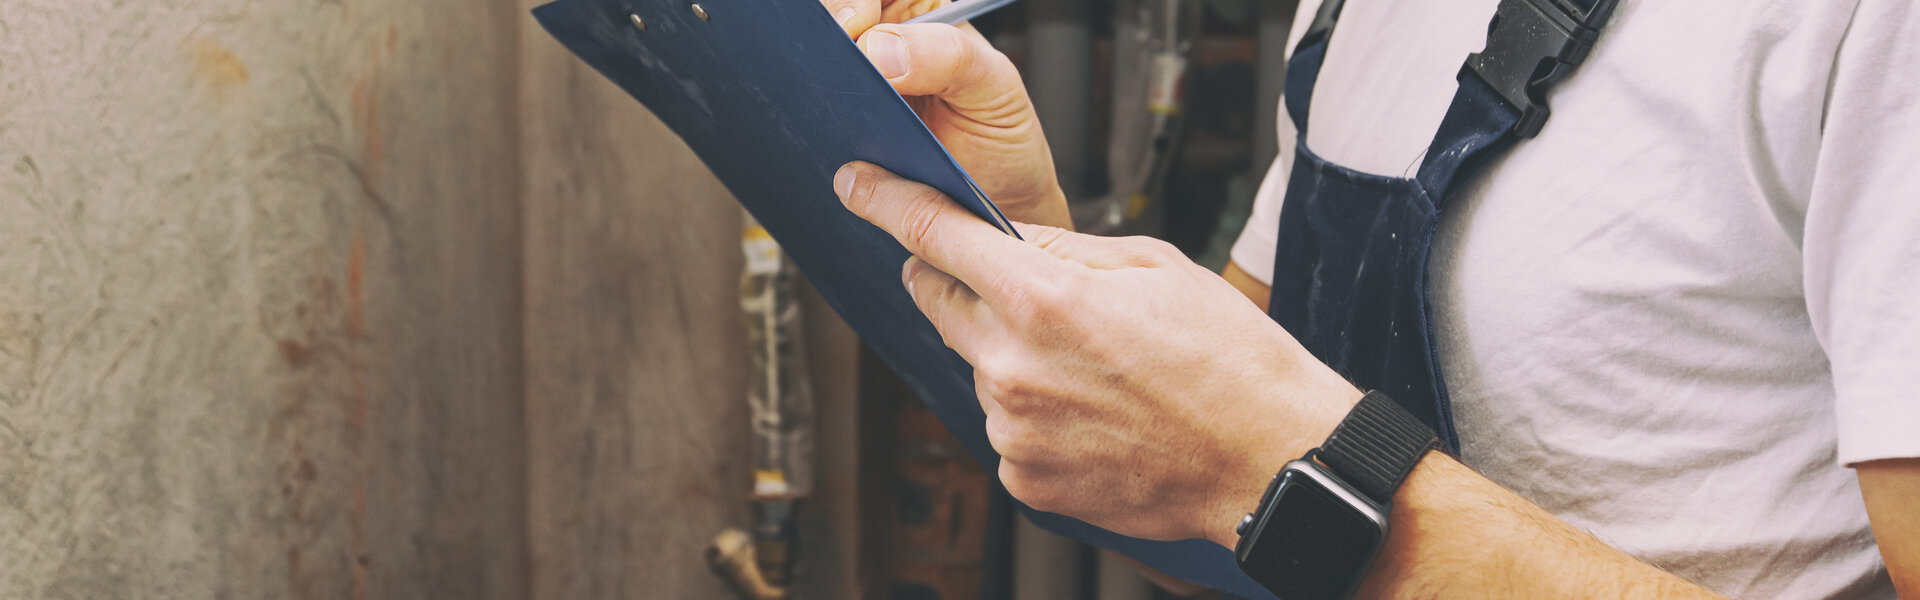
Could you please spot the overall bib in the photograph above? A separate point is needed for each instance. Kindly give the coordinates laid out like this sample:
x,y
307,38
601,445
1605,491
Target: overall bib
x,y
1350,269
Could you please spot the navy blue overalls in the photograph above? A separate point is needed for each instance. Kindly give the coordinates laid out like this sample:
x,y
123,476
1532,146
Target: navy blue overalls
x,y
1350,269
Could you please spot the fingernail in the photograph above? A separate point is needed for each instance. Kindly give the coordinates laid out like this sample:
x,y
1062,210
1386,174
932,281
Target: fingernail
x,y
906,273
845,13
843,182
888,53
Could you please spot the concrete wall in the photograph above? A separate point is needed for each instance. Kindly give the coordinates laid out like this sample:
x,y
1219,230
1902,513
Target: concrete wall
x,y
636,410
259,300
271,325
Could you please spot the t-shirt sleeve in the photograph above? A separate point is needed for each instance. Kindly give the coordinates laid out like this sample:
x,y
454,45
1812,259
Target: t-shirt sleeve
x,y
1253,251
1861,244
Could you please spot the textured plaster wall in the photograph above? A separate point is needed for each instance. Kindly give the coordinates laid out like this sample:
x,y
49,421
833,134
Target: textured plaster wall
x,y
259,300
636,357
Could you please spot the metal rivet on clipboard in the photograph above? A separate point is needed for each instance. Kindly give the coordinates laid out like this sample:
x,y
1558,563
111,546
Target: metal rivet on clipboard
x,y
701,12
637,21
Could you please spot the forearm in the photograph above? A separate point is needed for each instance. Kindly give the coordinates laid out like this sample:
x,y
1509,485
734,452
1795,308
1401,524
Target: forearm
x,y
1889,488
1456,534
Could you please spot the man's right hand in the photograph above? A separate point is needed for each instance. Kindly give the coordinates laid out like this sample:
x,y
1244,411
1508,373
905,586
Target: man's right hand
x,y
969,95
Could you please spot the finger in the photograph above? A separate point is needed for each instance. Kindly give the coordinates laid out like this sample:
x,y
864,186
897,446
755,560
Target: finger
x,y
854,16
1099,252
988,404
933,59
1007,436
934,228
950,305
1000,425
898,11
1031,484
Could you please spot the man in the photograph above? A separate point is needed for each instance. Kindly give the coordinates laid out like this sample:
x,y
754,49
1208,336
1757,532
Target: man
x,y
1678,328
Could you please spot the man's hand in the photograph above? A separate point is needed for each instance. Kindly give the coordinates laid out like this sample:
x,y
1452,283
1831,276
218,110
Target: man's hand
x,y
1127,387
1122,384
969,95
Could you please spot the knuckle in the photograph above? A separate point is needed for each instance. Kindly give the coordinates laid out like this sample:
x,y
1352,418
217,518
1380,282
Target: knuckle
x,y
1052,294
922,218
1000,377
966,54
948,291
975,55
1044,236
1040,299
1040,495
1035,492
1156,248
929,293
1007,437
1011,478
945,305
935,317
983,78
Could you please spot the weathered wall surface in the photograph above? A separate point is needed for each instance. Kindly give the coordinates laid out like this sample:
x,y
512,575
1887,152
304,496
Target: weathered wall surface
x,y
262,331
259,300
636,358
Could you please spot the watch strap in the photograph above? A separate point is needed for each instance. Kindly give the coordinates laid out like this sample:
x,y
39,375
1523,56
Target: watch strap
x,y
1375,447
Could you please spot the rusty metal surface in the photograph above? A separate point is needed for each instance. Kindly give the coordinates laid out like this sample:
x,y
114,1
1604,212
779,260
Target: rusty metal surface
x,y
259,325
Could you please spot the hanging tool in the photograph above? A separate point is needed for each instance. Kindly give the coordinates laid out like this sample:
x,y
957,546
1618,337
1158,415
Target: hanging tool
x,y
760,565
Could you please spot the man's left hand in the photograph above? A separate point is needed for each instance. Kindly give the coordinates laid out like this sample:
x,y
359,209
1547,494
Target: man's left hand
x,y
1123,384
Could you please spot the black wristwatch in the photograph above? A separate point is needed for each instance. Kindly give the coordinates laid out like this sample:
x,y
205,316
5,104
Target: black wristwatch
x,y
1324,517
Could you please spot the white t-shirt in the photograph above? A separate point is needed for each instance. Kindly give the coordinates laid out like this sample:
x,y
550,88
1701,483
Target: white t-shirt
x,y
1675,316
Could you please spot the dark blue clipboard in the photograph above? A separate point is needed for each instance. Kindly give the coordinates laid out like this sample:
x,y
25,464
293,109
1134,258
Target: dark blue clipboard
x,y
774,98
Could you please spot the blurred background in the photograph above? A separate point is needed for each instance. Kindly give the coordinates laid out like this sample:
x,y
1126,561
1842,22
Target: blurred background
x,y
397,299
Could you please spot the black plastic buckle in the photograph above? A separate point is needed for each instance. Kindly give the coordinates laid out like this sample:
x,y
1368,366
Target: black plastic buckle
x,y
1323,22
1532,45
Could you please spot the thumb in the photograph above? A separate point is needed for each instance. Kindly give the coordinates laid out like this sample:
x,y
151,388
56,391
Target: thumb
x,y
960,67
854,16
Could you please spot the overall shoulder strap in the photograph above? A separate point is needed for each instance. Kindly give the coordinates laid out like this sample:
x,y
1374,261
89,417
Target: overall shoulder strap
x,y
1303,70
1531,46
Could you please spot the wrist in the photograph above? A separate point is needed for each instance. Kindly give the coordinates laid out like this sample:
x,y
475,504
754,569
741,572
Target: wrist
x,y
1290,428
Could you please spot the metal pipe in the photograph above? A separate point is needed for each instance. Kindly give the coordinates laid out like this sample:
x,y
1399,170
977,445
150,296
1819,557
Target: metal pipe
x,y
1151,40
1120,579
1046,566
1060,79
781,402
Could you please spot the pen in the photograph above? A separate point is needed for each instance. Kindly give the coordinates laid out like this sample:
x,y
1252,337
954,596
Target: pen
x,y
960,12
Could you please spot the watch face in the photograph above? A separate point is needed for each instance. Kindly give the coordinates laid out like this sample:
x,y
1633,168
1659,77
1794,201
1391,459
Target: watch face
x,y
1312,543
